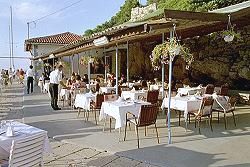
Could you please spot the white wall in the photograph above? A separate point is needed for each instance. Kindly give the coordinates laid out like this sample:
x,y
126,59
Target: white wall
x,y
41,49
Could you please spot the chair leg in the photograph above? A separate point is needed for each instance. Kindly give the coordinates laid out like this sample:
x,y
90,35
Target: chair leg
x,y
218,117
210,122
199,126
179,118
78,114
145,131
136,131
189,118
104,124
157,135
125,131
234,119
95,118
195,122
225,120
87,115
110,121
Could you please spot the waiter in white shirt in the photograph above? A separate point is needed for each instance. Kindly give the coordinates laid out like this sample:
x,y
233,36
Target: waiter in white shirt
x,y
55,80
30,78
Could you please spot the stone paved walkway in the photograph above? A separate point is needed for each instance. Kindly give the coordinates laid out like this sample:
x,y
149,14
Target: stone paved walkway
x,y
64,154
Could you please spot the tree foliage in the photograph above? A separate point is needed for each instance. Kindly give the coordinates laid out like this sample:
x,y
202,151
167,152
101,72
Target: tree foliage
x,y
192,5
121,17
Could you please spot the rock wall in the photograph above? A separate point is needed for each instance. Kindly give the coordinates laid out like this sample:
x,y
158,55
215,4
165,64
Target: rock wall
x,y
138,13
215,61
218,62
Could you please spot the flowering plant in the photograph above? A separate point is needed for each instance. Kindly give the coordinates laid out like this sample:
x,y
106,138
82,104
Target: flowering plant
x,y
86,59
162,52
230,34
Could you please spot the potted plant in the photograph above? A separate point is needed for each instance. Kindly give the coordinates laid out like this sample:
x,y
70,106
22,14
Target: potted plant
x,y
162,52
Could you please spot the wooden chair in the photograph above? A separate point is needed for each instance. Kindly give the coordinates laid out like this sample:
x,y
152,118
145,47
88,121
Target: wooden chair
x,y
225,107
147,116
205,110
209,89
152,96
97,87
27,152
224,90
96,105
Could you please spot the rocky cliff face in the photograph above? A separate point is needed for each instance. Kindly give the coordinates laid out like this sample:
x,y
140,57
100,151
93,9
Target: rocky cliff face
x,y
215,61
219,62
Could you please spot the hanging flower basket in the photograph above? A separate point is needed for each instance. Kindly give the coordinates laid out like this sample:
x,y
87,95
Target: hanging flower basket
x,y
229,35
86,59
162,52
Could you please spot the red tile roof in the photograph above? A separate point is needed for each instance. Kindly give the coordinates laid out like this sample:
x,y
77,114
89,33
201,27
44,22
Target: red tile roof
x,y
63,38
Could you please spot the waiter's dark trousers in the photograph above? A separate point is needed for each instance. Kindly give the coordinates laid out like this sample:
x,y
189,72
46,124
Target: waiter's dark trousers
x,y
29,84
53,90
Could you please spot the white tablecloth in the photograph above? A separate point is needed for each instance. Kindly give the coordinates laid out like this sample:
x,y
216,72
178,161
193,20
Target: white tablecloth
x,y
118,111
190,103
65,93
21,131
190,91
46,87
83,100
91,86
107,89
131,84
185,104
155,87
133,95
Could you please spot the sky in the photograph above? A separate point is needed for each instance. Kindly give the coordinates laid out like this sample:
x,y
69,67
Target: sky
x,y
76,19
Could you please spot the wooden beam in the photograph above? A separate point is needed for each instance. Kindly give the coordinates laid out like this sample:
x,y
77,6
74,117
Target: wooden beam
x,y
188,15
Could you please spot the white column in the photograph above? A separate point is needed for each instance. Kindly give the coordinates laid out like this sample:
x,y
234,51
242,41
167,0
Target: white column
x,y
163,70
116,68
89,63
127,61
171,58
105,67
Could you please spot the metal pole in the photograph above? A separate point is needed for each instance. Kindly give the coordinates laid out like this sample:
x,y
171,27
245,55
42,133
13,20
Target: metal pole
x,y
53,64
12,37
116,68
127,62
105,65
78,66
28,25
69,68
163,70
72,63
169,93
89,72
10,47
